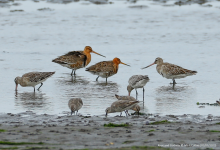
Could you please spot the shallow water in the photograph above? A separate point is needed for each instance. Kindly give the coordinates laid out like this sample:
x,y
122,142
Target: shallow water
x,y
187,36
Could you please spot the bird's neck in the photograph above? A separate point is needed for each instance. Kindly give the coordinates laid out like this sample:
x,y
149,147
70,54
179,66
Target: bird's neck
x,y
88,58
115,67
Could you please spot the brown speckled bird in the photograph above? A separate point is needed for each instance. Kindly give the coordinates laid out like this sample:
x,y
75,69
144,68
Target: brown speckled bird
x,y
105,69
32,79
136,107
75,104
76,59
120,105
171,71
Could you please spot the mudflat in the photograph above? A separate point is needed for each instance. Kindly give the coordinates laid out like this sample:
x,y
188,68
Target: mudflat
x,y
28,130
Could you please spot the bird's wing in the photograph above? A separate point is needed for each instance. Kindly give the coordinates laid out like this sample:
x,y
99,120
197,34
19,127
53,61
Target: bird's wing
x,y
37,76
104,66
136,78
171,69
72,57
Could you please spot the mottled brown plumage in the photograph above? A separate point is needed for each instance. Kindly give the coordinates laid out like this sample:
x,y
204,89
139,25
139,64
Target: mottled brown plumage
x,y
171,71
120,105
32,79
105,69
75,104
76,59
136,107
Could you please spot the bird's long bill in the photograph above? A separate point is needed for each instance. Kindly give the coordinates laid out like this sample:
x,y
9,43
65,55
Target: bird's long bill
x,y
148,66
16,87
124,64
97,53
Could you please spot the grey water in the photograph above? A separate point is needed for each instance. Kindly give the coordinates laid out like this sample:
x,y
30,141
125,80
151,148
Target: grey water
x,y
34,33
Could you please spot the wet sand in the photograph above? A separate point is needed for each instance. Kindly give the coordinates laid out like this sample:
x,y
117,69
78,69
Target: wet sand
x,y
88,132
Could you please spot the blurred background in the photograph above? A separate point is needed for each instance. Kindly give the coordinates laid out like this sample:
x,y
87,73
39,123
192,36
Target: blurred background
x,y
185,33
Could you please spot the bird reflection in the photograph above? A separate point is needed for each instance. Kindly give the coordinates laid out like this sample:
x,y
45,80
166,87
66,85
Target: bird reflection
x,y
30,99
69,80
168,99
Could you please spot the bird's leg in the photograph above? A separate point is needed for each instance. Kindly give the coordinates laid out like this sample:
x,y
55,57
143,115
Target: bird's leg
x,y
127,112
34,89
40,86
138,113
143,94
72,72
106,81
174,82
97,78
71,113
136,93
120,114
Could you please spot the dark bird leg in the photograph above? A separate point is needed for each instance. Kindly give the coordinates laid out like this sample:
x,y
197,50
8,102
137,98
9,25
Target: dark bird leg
x,y
34,89
120,114
106,80
73,73
138,113
136,93
143,94
40,86
174,82
127,113
97,78
71,113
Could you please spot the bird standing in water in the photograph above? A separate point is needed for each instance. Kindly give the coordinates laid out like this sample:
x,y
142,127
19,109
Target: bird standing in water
x,y
171,71
120,105
76,59
75,104
32,79
105,69
137,81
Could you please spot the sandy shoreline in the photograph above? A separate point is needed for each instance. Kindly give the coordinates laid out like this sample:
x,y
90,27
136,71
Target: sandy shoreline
x,y
88,132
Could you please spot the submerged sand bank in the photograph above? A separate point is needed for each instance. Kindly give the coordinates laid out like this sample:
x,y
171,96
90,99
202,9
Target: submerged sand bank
x,y
88,132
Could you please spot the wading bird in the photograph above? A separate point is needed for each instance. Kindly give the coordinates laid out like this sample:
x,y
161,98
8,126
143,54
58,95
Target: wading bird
x,y
120,105
75,104
135,107
137,81
32,79
171,71
105,69
76,59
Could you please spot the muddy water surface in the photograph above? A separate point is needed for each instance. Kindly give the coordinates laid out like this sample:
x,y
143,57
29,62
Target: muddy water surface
x,y
187,36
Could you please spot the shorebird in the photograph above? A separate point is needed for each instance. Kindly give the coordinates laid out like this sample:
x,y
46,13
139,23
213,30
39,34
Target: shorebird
x,y
137,81
105,69
75,104
171,71
120,105
76,59
32,79
135,107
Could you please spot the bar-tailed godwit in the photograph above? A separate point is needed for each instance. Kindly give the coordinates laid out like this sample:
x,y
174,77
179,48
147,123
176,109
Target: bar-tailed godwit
x,y
135,107
32,79
76,59
120,105
105,69
171,71
137,81
75,104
